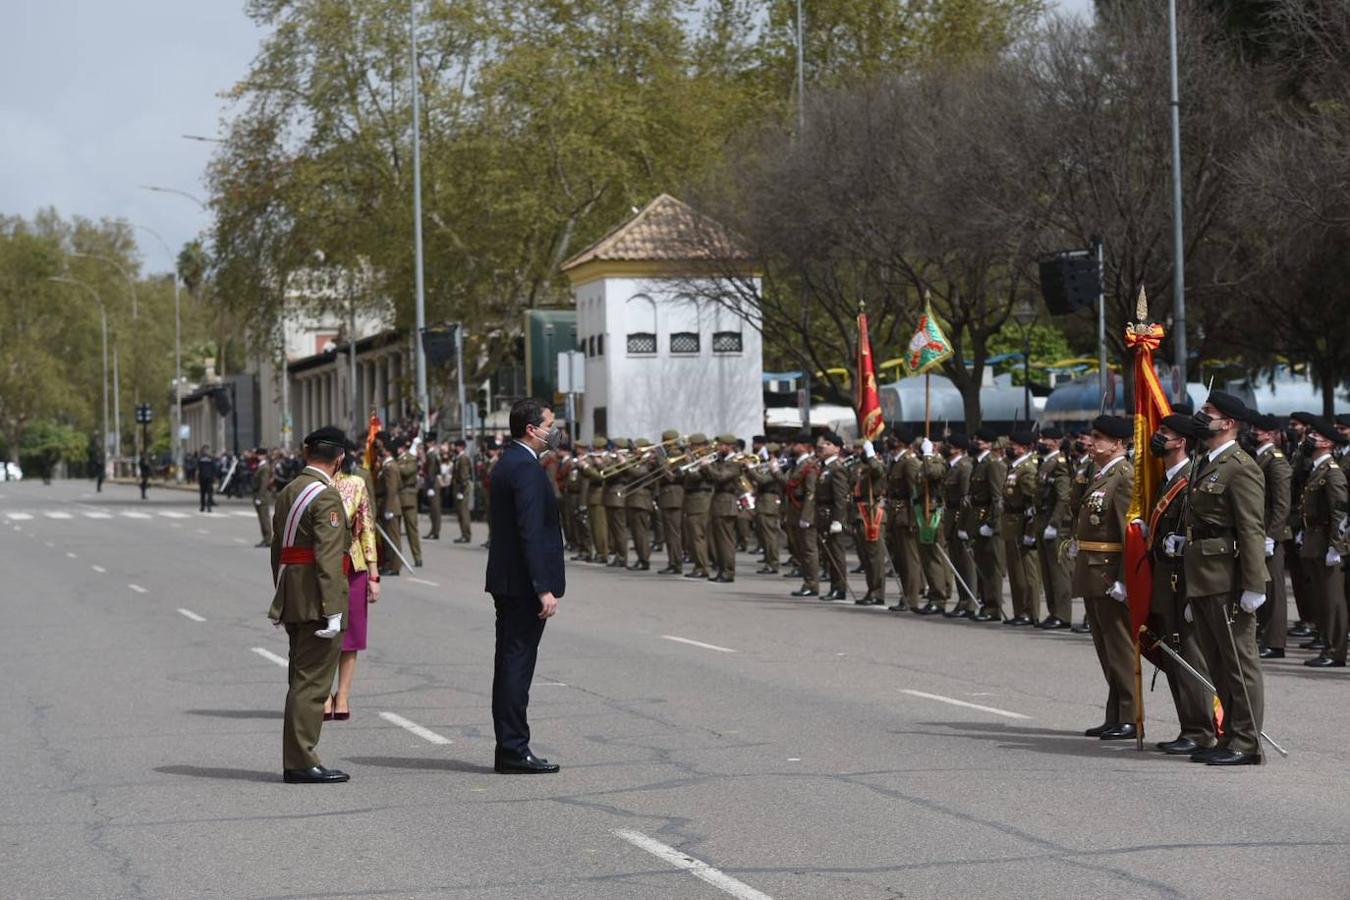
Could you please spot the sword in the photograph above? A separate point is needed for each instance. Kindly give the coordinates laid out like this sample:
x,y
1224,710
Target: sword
x,y
1163,645
392,546
961,581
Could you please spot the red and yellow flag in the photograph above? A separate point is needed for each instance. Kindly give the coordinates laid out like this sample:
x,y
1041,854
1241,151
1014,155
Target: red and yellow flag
x,y
368,463
869,400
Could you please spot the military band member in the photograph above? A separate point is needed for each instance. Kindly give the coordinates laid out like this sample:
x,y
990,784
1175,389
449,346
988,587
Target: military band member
x,y
903,475
1099,571
1018,525
698,491
574,498
1226,575
263,496
595,498
639,511
1324,506
982,522
869,513
407,499
1272,619
725,476
802,484
461,488
616,506
1165,534
769,481
956,501
1054,527
670,502
310,536
833,492
431,470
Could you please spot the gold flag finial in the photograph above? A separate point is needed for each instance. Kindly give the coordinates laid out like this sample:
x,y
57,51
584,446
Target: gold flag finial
x,y
1141,305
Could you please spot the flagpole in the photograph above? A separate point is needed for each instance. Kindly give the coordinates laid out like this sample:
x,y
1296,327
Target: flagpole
x,y
927,427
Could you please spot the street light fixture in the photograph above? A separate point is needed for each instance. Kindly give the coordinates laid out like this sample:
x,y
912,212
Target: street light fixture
x,y
1025,313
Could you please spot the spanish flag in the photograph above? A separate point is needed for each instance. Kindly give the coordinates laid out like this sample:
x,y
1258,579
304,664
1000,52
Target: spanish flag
x,y
869,401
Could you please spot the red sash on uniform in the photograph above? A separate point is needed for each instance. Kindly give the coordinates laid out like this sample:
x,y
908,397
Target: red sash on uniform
x,y
1161,507
304,556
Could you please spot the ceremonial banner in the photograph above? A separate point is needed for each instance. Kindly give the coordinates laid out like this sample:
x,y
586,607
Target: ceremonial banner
x,y
869,401
368,460
929,347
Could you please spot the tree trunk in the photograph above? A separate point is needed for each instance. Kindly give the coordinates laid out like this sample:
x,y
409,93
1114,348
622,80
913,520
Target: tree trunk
x,y
1328,377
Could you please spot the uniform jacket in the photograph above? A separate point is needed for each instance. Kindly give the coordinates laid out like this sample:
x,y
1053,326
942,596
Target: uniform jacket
x,y
309,592
387,490
768,490
616,488
1054,480
698,491
1169,572
1101,520
1225,526
725,477
407,479
802,481
1279,480
1020,489
525,556
869,486
903,479
262,481
956,491
1324,511
640,496
461,476
833,493
986,493
670,493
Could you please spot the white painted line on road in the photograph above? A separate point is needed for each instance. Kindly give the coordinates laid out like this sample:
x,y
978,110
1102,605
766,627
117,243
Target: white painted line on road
x,y
169,514
240,541
58,515
97,515
98,569
954,702
424,581
270,656
699,869
49,543
70,555
671,637
202,531
243,514
190,614
550,684
134,515
19,517
138,589
425,734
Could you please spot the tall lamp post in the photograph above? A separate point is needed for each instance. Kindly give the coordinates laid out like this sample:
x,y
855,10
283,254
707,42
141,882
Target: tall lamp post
x,y
176,439
135,316
103,316
1025,314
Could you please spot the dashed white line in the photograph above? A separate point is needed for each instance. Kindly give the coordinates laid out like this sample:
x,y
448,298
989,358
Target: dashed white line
x,y
699,869
138,589
170,514
190,614
19,517
240,541
243,514
202,531
134,515
270,656
98,569
692,643
954,702
58,515
424,581
97,515
425,734
70,555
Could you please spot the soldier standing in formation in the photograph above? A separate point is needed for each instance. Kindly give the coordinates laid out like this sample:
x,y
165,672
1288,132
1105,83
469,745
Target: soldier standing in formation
x,y
263,496
802,483
407,499
1054,527
955,516
725,476
869,505
832,511
982,522
902,481
431,473
1322,540
769,481
461,488
1272,619
1018,525
670,500
387,488
640,509
698,491
595,498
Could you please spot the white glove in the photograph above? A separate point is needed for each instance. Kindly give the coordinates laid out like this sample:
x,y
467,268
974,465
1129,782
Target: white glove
x,y
986,531
1270,546
1028,540
803,523
868,450
431,492
1050,533
257,501
961,533
459,496
1143,527
926,447
1174,544
1072,552
388,516
1187,614
1333,558
1117,592
333,627
1251,601
836,528
1298,539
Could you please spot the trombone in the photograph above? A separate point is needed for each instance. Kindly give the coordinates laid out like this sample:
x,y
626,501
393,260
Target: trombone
x,y
640,457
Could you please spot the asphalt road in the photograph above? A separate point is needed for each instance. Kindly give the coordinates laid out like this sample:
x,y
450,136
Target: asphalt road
x,y
716,740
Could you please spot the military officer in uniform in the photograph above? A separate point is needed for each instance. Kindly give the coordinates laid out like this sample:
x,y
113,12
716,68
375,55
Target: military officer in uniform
x,y
263,496
1165,534
1226,575
639,510
670,502
1054,526
725,475
698,491
461,488
1018,526
802,483
1300,466
407,499
902,483
1323,540
595,498
575,505
982,522
833,491
869,506
387,489
431,470
310,536
769,481
1099,571
1272,619
929,513
955,501
616,506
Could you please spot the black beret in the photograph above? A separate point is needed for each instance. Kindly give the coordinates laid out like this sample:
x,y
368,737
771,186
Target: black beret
x,y
985,433
1343,419
1023,438
1228,404
1326,429
803,437
758,439
833,438
958,440
1183,408
382,437
1266,422
1182,425
902,434
1305,417
1052,433
1117,427
328,434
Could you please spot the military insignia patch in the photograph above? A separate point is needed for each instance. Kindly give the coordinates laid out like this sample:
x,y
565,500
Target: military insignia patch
x,y
333,519
1095,520
1213,478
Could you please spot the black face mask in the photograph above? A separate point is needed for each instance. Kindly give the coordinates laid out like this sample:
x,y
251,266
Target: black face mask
x,y
1202,421
1309,447
1157,444
1042,451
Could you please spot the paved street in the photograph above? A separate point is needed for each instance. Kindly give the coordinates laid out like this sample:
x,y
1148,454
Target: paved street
x,y
716,740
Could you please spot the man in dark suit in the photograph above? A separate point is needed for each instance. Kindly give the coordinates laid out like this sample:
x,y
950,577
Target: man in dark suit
x,y
524,576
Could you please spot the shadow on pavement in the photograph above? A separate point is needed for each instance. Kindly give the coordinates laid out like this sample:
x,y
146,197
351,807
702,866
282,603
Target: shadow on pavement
x,y
221,774
1048,740
237,713
421,763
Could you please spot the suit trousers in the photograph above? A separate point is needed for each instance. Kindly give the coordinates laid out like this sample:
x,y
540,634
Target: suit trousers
x,y
1110,621
1056,577
725,530
313,663
1234,667
465,520
1193,701
697,523
519,629
640,525
673,520
770,528
410,529
1272,619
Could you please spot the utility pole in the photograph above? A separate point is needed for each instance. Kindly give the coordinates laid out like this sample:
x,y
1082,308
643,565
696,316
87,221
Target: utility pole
x,y
1178,247
422,402
801,73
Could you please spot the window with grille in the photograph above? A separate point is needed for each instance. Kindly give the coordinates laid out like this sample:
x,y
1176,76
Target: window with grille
x,y
684,342
726,342
641,342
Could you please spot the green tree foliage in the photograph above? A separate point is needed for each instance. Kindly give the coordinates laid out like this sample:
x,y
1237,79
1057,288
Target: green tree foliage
x,y
46,443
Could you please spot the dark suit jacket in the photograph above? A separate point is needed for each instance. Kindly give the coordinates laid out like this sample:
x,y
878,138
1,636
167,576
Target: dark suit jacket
x,y
525,558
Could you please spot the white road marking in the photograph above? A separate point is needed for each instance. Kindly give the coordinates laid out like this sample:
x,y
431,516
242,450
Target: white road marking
x,y
425,734
97,515
138,589
550,684
190,614
240,541
49,543
954,702
699,869
58,515
70,555
170,514
98,569
202,531
18,516
271,657
134,515
424,581
671,637
243,514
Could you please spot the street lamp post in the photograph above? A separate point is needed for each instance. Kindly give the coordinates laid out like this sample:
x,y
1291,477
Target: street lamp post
x,y
103,317
176,439
135,381
420,311
1025,314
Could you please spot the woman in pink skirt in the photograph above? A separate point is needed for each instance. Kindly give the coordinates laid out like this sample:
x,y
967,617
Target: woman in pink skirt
x,y
363,581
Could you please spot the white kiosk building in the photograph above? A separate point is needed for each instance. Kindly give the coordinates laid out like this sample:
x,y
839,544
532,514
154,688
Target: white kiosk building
x,y
665,346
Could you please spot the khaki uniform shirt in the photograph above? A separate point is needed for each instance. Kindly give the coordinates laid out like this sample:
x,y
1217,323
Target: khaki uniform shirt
x,y
1225,525
309,592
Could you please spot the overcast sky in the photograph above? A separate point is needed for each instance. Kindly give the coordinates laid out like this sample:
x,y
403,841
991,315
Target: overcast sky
x,y
96,95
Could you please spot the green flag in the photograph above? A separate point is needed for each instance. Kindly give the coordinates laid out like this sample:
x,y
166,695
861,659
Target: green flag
x,y
929,347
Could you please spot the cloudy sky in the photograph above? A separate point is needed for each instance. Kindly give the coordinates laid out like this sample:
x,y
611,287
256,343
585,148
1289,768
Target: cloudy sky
x,y
97,95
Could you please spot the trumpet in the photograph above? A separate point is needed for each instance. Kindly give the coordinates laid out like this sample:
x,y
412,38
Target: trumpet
x,y
641,456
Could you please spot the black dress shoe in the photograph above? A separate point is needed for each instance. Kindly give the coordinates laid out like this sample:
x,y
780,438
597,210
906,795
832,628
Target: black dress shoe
x,y
765,570
957,613
263,544
1272,653
838,594
793,573
696,574
858,571
1018,621
1180,747
640,567
1081,628
1122,732
1315,644
929,609
804,592
315,775
1300,629
1234,758
1055,623
670,570
1204,756
460,540
528,764
723,579
902,606
1099,730
984,617
616,563
1324,662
